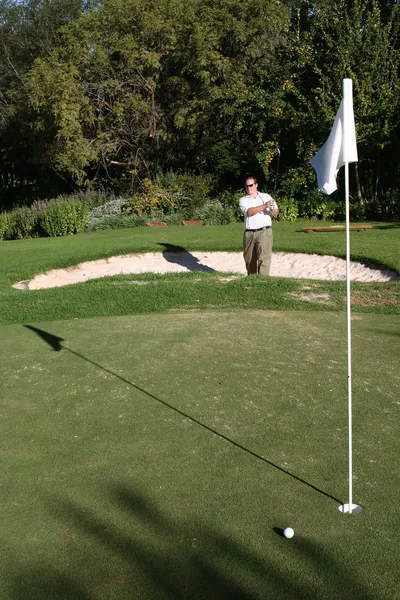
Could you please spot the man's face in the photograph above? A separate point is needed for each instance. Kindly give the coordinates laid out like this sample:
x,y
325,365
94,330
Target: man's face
x,y
251,187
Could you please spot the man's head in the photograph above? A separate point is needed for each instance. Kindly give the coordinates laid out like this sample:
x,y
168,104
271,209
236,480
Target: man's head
x,y
251,186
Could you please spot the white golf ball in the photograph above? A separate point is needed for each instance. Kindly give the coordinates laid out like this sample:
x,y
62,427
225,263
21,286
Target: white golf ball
x,y
288,532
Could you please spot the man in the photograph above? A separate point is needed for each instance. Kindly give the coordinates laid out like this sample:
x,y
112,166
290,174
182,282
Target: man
x,y
257,209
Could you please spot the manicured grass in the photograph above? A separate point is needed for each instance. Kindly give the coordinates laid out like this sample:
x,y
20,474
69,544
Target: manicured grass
x,y
158,457
112,296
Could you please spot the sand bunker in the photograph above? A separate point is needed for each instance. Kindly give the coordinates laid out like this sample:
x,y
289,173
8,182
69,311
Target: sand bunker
x,y
298,266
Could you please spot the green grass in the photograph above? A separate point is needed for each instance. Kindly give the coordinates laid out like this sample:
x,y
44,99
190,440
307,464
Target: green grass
x,y
158,432
157,457
21,260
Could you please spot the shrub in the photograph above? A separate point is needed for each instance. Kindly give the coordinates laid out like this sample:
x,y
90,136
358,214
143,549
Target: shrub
x,y
23,222
111,208
316,205
64,217
151,198
214,213
230,199
187,192
4,221
119,222
288,209
386,208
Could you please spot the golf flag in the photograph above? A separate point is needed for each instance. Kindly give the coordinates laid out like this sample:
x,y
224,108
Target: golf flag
x,y
341,145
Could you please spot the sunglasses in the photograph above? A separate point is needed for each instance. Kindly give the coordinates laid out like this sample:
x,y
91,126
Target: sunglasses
x,y
250,184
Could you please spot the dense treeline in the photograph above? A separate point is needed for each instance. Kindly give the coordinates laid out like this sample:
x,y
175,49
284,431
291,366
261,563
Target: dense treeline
x,y
102,93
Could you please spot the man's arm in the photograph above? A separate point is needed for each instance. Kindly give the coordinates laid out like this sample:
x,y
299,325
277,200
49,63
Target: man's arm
x,y
256,209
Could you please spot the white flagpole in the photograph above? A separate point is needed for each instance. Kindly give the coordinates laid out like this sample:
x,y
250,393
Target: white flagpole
x,y
350,508
349,369
339,150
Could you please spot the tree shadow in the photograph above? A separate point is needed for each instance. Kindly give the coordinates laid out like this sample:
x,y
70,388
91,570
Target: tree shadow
x,y
56,341
180,256
174,558
169,558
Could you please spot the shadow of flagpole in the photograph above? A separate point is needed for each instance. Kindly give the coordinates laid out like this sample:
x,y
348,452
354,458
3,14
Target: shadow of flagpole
x,y
56,344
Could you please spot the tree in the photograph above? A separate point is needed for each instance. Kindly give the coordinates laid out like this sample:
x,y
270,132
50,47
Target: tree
x,y
337,39
147,85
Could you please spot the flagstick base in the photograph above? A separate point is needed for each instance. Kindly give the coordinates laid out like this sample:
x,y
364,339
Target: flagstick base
x,y
345,509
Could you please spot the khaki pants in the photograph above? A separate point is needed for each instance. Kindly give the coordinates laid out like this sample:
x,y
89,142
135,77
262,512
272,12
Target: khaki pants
x,y
257,251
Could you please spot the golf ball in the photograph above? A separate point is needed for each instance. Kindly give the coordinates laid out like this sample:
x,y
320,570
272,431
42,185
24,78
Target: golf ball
x,y
288,532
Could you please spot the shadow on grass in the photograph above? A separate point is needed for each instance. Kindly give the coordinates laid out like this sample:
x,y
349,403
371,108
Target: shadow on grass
x,y
158,557
180,256
56,344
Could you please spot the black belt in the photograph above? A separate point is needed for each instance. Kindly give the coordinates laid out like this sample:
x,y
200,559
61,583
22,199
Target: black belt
x,y
260,228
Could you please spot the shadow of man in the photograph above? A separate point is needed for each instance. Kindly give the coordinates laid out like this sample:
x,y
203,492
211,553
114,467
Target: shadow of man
x,y
180,256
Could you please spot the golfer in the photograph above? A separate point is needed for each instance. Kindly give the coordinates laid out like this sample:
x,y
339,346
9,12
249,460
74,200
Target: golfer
x,y
257,209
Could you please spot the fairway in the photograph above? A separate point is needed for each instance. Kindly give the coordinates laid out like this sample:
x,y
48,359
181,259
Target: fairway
x,y
159,456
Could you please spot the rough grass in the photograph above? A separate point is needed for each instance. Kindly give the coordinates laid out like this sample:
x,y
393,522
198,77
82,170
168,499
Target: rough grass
x,y
135,294
159,457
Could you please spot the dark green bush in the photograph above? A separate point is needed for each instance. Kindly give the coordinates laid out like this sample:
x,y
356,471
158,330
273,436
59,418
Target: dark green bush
x,y
187,192
64,217
288,209
317,205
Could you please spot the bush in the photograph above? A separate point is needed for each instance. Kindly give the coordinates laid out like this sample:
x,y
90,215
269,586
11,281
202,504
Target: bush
x,y
151,198
64,217
214,213
111,208
186,192
4,221
23,222
230,199
317,205
119,222
386,208
288,209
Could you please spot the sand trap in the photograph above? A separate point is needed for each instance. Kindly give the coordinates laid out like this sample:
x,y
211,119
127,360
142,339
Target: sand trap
x,y
298,266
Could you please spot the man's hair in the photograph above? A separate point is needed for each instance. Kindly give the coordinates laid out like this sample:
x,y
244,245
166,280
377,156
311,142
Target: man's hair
x,y
251,177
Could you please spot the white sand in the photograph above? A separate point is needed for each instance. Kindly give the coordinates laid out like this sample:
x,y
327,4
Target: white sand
x,y
298,266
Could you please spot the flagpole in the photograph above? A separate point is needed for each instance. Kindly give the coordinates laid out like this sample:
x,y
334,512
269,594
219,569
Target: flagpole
x,y
339,150
349,368
350,508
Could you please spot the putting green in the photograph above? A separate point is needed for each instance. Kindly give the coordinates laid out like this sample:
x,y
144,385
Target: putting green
x,y
159,456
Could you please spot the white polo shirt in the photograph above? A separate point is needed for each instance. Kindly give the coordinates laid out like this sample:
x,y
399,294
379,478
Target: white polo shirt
x,y
260,219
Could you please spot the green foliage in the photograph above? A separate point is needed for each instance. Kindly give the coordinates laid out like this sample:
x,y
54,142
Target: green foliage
x,y
170,193
317,205
386,208
288,209
330,41
106,94
188,192
23,222
111,208
118,222
4,223
230,199
64,217
214,213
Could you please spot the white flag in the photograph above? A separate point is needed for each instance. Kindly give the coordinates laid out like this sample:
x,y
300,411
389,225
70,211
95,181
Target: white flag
x,y
341,145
